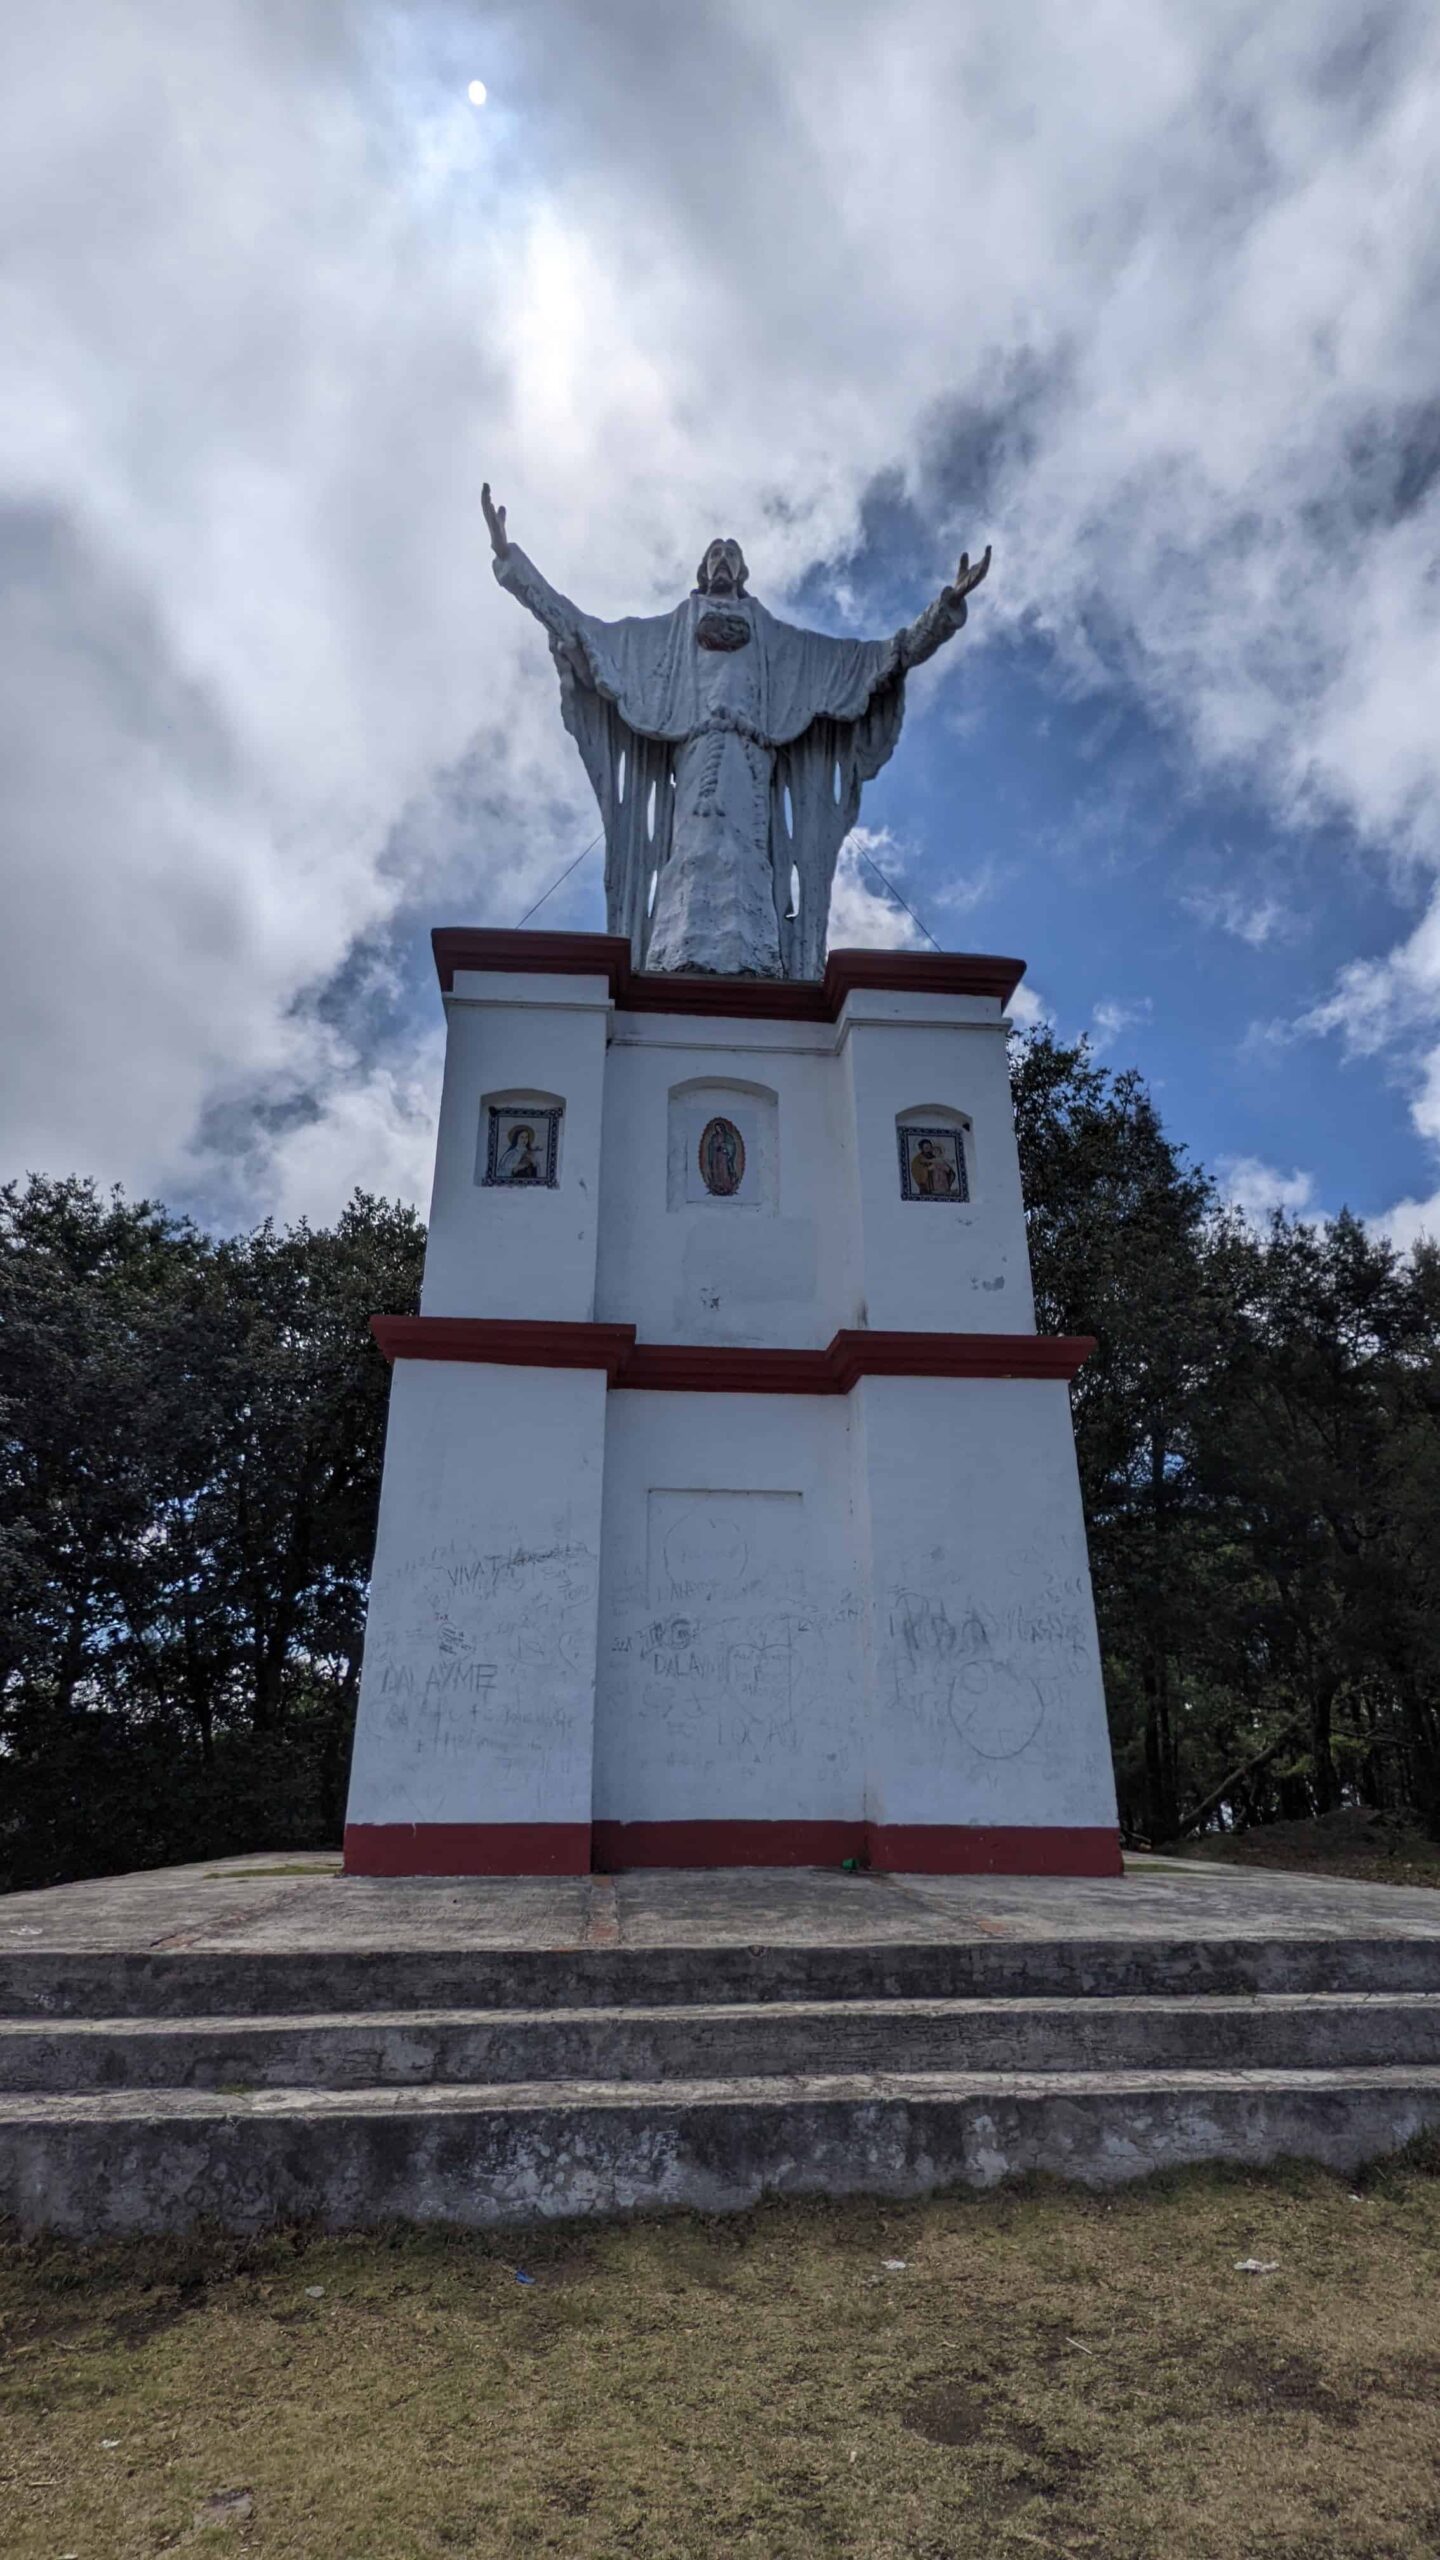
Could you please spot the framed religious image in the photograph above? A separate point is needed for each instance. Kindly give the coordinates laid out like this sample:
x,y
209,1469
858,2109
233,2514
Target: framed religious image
x,y
932,1164
522,1146
722,1158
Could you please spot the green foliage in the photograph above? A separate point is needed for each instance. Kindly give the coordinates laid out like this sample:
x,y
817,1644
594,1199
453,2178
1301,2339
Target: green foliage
x,y
190,1442
1259,1443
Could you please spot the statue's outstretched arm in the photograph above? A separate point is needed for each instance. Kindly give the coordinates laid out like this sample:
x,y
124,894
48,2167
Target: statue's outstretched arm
x,y
517,572
941,620
495,519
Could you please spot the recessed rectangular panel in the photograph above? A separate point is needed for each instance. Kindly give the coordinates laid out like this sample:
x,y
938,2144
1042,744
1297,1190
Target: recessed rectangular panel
x,y
716,1547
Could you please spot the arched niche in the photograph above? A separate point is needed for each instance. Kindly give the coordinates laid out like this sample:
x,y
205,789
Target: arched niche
x,y
935,1155
735,1167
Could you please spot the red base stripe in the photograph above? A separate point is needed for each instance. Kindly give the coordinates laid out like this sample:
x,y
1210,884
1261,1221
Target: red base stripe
x,y
467,1848
573,1848
726,1844
994,1849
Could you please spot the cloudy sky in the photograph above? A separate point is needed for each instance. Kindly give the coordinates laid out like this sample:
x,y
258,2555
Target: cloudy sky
x,y
1147,294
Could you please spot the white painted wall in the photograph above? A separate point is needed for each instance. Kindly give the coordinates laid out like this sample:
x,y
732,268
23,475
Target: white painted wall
x,y
733,1615
926,1266
818,1236
758,1268
521,1251
987,1702
816,1607
870,1605
478,1692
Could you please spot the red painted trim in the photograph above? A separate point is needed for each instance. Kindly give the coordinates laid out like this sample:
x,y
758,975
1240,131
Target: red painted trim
x,y
503,1343
854,1355
726,1844
993,1849
573,1848
689,1368
703,1368
607,955
920,973
467,1848
551,955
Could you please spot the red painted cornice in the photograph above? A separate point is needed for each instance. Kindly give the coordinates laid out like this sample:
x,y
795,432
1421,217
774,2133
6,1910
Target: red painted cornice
x,y
504,1343
607,955
689,1368
854,1355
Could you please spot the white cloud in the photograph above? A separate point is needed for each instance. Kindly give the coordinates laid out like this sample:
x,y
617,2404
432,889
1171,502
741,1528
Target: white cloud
x,y
1391,1007
1111,1017
328,1119
1257,1190
1256,920
1374,1002
862,916
278,299
1409,1223
1027,1010
964,891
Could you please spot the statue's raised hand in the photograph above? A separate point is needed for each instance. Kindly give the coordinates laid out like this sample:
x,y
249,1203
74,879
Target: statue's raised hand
x,y
495,518
967,577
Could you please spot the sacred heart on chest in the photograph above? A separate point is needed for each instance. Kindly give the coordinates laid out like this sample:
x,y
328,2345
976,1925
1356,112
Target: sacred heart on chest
x,y
716,630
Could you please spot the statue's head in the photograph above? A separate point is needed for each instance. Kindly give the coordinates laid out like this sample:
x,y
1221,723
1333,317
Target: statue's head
x,y
722,572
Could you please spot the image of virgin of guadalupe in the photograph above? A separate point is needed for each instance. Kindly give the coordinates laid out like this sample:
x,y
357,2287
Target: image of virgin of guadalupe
x,y
722,1158
517,1161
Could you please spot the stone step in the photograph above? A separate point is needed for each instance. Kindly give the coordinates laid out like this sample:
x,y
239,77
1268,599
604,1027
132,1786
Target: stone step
x,y
748,2040
260,1982
500,2157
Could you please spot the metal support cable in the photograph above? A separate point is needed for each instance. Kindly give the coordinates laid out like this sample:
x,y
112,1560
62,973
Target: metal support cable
x,y
558,883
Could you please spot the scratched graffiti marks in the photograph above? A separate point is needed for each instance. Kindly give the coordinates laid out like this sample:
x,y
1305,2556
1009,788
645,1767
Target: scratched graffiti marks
x,y
740,1685
741,1673
729,1652
487,1649
989,1676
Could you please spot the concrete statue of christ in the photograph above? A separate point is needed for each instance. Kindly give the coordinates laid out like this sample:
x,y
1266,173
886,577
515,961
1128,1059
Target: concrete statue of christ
x,y
728,751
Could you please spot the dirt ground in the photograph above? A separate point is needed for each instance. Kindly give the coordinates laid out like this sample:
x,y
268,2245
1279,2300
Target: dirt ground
x,y
1370,1848
1044,2372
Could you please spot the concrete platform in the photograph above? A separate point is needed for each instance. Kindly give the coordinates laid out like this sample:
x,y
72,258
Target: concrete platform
x,y
263,2039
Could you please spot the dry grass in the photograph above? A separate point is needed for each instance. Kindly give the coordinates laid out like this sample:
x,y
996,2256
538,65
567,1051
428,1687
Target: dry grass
x,y
1051,2373
1344,1848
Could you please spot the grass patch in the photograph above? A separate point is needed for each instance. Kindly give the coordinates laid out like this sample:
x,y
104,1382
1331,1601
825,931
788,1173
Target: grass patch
x,y
1051,2372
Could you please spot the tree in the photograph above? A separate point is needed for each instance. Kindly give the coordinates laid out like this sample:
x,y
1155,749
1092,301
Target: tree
x,y
1319,1441
190,1445
1259,1443
1118,1242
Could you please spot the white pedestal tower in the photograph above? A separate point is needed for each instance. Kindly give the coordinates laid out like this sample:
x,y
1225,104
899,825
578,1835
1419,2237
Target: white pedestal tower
x,y
730,1512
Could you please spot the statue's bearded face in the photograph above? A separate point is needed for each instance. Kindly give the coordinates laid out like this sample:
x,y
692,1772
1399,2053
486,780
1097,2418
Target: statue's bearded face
x,y
722,571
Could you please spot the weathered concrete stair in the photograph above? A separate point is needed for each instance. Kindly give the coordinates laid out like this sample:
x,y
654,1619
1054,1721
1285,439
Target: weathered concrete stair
x,y
149,2091
744,2041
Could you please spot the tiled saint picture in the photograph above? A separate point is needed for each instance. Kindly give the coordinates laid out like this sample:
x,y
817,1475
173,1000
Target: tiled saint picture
x,y
932,1164
522,1147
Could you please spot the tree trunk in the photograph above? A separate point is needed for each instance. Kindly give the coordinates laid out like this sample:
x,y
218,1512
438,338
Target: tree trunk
x,y
1161,1795
1323,1779
1160,1813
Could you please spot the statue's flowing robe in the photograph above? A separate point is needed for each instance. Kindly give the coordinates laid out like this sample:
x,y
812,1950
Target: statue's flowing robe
x,y
770,739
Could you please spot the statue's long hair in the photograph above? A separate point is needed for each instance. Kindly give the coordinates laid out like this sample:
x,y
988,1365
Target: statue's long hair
x,y
702,583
